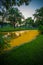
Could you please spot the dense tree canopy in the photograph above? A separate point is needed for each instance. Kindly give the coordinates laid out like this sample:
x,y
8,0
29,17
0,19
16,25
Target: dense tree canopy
x,y
15,16
39,19
29,21
8,3
39,16
5,5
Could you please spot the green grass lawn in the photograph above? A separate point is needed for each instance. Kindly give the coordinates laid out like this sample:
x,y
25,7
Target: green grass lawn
x,y
9,28
28,54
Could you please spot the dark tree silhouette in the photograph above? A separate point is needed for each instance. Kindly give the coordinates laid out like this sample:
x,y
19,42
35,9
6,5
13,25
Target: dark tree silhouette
x,y
6,4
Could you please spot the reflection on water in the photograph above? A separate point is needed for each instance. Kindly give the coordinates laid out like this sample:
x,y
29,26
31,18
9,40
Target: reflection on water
x,y
13,34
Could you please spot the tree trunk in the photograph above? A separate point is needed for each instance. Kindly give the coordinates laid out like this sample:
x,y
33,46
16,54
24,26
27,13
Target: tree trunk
x,y
2,20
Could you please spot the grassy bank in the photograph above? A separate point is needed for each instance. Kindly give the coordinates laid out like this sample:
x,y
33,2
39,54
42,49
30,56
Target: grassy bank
x,y
27,54
11,28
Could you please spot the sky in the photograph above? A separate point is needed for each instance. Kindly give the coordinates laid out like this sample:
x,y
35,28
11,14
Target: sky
x,y
29,10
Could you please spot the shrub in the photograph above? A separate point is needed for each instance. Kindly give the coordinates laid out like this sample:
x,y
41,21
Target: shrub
x,y
3,43
41,29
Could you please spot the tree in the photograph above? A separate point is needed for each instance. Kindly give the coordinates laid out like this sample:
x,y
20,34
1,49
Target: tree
x,y
39,19
39,16
29,21
15,16
6,4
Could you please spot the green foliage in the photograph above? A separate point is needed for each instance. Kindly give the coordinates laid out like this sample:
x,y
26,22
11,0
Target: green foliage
x,y
39,19
7,4
2,43
41,29
14,16
29,21
39,16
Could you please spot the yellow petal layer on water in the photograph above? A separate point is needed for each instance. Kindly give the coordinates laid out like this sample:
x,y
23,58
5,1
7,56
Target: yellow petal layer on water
x,y
27,36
